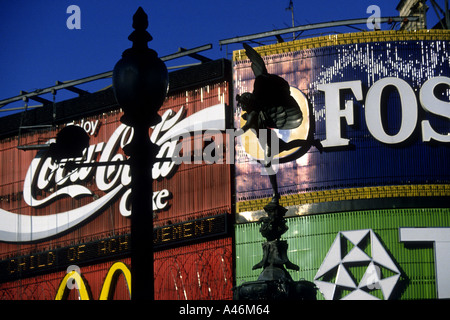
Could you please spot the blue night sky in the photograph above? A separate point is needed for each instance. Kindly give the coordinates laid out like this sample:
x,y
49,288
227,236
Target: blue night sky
x,y
37,48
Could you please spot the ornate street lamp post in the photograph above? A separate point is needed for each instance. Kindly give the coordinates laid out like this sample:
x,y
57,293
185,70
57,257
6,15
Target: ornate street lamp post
x,y
140,83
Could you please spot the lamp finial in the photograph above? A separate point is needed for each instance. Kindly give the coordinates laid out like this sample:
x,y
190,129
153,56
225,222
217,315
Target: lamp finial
x,y
140,36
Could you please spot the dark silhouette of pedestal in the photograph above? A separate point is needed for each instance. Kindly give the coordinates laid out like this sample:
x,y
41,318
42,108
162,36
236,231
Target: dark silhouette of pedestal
x,y
275,282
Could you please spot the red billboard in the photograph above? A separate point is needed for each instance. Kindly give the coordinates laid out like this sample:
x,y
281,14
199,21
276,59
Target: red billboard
x,y
52,217
198,272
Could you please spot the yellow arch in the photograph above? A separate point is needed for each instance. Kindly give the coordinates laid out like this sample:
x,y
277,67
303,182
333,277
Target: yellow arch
x,y
63,289
111,280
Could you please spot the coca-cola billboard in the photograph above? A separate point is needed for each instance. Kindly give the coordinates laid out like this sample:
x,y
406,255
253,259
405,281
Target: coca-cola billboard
x,y
47,184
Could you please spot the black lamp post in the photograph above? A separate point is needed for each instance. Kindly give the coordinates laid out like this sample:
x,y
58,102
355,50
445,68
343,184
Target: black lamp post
x,y
140,83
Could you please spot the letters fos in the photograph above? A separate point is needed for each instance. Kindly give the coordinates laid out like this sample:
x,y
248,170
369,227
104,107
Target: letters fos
x,y
428,100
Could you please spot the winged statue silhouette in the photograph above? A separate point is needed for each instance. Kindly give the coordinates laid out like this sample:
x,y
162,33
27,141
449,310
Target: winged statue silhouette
x,y
270,106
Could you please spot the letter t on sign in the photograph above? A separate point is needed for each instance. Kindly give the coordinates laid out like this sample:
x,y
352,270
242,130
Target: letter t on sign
x,y
441,240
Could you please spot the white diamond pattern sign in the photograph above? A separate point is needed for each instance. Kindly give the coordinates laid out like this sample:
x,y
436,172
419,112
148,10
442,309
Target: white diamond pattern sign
x,y
356,248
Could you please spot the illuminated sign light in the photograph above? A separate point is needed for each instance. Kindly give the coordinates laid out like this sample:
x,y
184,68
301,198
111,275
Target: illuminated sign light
x,y
190,231
84,292
63,290
373,114
416,195
58,259
43,176
107,249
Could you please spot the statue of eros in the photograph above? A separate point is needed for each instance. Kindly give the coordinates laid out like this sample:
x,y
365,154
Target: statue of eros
x,y
270,106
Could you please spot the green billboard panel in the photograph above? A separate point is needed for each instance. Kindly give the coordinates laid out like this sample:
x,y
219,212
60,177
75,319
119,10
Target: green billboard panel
x,y
372,254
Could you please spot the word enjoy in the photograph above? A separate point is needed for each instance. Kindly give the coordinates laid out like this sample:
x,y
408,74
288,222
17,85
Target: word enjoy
x,y
91,127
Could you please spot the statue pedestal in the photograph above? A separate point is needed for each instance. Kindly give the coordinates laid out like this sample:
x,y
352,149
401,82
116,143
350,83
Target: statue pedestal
x,y
275,282
276,290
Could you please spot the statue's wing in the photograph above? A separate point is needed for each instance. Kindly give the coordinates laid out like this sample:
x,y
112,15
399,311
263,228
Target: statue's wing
x,y
285,116
273,97
258,66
